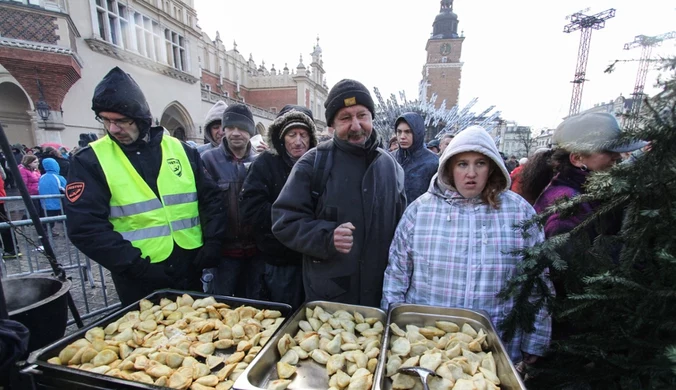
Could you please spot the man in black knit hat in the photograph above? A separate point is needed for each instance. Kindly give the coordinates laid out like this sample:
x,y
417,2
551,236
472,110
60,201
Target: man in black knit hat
x,y
138,202
239,271
341,204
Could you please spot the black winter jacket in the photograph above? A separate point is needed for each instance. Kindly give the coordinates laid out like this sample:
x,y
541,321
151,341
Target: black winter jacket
x,y
364,187
419,163
267,175
91,232
229,173
88,204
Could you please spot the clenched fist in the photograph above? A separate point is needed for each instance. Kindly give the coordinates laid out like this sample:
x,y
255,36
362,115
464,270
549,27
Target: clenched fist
x,y
342,237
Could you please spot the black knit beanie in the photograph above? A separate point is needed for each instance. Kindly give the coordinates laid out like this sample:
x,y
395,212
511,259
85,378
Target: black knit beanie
x,y
347,93
238,115
293,107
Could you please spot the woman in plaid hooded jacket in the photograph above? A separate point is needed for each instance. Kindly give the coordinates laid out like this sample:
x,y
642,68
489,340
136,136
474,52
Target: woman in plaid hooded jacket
x,y
453,246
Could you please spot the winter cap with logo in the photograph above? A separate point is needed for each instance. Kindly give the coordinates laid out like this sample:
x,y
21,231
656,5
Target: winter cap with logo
x,y
119,93
238,115
347,93
593,132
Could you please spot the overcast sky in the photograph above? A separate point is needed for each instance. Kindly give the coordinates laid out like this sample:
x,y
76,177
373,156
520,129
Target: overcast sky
x,y
515,53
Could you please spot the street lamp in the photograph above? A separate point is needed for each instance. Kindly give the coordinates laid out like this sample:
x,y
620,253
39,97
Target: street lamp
x,y
41,105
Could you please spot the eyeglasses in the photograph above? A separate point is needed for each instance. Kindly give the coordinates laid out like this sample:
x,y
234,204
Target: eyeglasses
x,y
121,123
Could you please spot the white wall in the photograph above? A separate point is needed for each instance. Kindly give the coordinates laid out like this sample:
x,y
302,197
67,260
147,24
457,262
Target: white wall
x,y
159,90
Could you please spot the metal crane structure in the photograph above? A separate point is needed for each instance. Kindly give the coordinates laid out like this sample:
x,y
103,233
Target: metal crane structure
x,y
584,23
646,43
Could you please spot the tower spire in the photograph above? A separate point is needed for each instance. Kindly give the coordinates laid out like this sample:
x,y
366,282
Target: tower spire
x,y
446,5
446,23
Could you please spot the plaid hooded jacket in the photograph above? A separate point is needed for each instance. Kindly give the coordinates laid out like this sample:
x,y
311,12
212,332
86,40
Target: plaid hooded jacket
x,y
455,252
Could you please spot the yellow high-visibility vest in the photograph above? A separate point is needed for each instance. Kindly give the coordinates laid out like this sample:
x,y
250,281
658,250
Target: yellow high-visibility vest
x,y
152,225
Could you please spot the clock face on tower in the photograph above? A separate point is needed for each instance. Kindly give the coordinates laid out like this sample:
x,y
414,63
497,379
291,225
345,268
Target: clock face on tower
x,y
445,49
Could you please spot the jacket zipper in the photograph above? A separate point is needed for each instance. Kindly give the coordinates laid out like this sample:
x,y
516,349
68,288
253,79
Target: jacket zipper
x,y
470,253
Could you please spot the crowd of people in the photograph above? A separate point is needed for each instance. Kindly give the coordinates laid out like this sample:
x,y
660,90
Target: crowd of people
x,y
44,172
295,218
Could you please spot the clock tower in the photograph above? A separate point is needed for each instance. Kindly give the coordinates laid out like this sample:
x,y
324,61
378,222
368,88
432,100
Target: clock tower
x,y
442,70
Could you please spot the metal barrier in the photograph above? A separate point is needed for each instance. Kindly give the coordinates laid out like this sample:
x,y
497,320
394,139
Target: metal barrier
x,y
93,291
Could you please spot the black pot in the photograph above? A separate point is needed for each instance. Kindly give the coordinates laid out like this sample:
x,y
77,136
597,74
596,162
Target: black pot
x,y
40,303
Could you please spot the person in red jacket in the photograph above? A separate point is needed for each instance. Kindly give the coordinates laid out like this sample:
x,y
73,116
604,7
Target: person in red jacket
x,y
7,242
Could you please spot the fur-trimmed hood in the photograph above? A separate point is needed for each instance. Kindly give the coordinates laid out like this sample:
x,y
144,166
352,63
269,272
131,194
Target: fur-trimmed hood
x,y
273,138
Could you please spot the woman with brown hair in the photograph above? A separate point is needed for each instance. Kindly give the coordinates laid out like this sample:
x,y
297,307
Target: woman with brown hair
x,y
31,176
454,246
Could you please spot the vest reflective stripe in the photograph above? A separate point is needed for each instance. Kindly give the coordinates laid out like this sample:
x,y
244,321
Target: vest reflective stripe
x,y
144,234
180,198
152,225
135,208
185,223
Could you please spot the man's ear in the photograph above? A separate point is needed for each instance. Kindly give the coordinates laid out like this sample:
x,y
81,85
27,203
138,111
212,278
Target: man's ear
x,y
577,160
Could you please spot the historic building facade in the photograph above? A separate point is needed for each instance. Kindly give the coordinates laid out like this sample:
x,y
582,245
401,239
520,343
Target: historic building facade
x,y
54,52
442,70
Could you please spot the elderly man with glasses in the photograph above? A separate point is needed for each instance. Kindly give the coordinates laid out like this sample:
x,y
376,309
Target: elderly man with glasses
x,y
139,202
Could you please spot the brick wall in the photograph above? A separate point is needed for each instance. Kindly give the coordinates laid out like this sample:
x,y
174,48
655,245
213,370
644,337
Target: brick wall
x,y
208,79
228,86
231,89
57,73
28,26
445,82
269,98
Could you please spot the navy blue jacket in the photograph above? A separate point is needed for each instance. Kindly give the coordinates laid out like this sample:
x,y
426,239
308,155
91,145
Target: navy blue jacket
x,y
419,163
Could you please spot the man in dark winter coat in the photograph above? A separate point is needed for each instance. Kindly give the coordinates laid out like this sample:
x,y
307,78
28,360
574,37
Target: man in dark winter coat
x,y
140,203
239,271
419,163
343,231
290,136
213,131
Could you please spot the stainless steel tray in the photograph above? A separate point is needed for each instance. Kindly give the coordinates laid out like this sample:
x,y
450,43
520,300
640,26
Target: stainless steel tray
x,y
47,375
420,315
309,375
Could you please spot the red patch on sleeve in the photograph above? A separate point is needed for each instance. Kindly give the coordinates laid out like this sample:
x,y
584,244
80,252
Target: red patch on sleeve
x,y
74,191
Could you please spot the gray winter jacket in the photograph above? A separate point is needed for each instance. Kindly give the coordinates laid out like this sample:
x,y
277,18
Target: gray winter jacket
x,y
364,187
214,114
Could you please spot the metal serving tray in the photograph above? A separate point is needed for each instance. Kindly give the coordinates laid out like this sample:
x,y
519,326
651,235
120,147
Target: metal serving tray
x,y
50,376
309,375
420,315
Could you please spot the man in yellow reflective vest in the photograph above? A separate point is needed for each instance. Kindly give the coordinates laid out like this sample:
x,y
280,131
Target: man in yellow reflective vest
x,y
139,202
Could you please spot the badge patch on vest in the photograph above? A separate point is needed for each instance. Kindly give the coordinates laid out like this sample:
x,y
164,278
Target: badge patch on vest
x,y
74,191
175,166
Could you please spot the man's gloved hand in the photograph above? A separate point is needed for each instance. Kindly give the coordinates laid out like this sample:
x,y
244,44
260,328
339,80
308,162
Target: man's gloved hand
x,y
143,269
209,255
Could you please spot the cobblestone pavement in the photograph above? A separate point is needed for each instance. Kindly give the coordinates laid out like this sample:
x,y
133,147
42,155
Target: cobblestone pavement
x,y
92,287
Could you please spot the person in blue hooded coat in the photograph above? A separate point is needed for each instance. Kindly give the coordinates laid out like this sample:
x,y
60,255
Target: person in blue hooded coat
x,y
51,183
419,163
